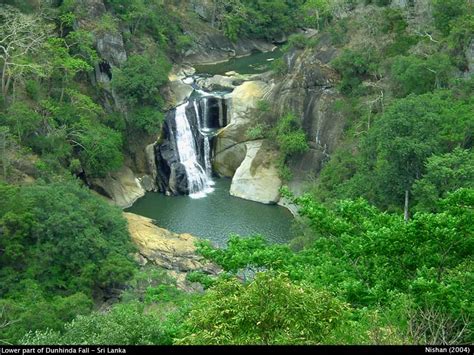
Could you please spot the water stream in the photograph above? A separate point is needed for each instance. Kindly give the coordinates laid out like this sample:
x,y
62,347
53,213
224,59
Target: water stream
x,y
198,181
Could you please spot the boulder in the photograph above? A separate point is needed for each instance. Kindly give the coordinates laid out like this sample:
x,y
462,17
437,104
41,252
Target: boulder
x,y
241,105
257,178
226,162
151,163
165,249
246,97
176,93
148,183
121,186
218,82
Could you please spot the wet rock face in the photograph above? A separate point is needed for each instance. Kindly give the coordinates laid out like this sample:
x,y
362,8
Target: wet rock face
x,y
111,48
308,90
109,44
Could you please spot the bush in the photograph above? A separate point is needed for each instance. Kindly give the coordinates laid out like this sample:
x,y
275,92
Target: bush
x,y
124,324
290,137
354,66
269,310
139,79
411,74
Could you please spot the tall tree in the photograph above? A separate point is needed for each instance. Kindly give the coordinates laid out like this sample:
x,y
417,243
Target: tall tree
x,y
21,36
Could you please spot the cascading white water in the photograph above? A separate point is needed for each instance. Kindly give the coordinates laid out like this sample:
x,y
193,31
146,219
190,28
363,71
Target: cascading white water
x,y
207,146
207,157
198,116
198,181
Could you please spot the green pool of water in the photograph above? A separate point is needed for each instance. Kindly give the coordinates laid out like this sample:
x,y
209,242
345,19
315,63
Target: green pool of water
x,y
255,63
216,216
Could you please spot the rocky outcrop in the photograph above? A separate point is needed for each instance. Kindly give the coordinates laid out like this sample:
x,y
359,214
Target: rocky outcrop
x,y
227,161
122,187
308,90
174,252
257,177
230,148
209,45
220,82
109,44
176,93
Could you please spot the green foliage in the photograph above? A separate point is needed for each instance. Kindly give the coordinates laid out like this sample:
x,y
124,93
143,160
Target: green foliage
x,y
21,119
316,13
204,279
124,324
258,131
140,78
100,149
351,253
290,137
445,12
298,41
269,310
148,119
354,66
395,149
62,236
411,74
444,173
45,312
155,18
60,244
243,253
261,18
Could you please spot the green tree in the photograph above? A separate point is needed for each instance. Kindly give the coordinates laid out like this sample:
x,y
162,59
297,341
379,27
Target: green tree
x,y
140,78
408,133
21,36
444,173
269,310
445,12
411,74
21,119
61,236
100,149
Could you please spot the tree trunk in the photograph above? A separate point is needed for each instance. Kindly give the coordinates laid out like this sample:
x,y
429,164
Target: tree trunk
x,y
405,214
4,81
3,146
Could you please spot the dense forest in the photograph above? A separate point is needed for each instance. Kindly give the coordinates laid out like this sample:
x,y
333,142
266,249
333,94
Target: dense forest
x,y
383,252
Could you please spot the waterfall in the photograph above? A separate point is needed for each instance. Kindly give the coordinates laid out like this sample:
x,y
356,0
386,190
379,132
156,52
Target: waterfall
x,y
198,181
198,116
207,146
207,157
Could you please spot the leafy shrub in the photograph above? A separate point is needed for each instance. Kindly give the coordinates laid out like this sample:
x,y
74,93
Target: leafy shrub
x,y
124,324
139,79
266,311
354,66
411,74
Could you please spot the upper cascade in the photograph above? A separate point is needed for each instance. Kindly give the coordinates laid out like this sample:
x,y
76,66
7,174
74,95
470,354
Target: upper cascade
x,y
183,156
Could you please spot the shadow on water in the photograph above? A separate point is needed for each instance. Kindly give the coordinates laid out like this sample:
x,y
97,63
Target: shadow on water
x,y
216,216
